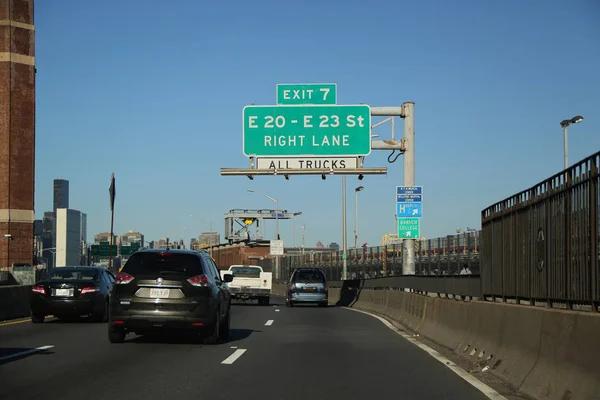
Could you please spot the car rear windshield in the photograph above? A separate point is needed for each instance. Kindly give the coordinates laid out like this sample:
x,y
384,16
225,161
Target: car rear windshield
x,y
163,264
71,274
309,276
246,272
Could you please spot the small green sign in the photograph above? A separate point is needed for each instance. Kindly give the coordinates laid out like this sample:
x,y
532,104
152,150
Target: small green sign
x,y
129,250
287,131
103,250
306,93
409,228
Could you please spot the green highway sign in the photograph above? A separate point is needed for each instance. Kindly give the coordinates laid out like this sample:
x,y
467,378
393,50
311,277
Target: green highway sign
x,y
103,250
306,93
409,228
307,130
129,250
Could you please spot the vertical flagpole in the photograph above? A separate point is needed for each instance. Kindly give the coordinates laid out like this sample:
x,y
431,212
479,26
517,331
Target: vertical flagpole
x,y
111,191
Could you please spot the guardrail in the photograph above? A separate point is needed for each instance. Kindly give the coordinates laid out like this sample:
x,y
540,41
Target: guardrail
x,y
541,245
457,255
452,286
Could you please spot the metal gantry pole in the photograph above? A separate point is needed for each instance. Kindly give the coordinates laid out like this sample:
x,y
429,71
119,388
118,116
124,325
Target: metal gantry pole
x,y
355,219
408,255
277,272
344,232
566,146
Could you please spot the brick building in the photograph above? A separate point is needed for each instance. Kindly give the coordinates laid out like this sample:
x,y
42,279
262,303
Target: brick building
x,y
17,132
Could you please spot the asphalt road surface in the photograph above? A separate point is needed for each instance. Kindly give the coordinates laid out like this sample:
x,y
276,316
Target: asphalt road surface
x,y
274,353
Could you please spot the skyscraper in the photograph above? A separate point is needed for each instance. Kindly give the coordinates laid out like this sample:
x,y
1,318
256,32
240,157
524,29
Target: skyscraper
x,y
61,194
83,227
68,237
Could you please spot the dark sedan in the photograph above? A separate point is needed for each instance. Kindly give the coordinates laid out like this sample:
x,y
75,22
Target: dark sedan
x,y
72,292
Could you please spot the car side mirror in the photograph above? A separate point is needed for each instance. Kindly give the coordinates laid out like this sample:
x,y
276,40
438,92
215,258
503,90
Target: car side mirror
x,y
227,278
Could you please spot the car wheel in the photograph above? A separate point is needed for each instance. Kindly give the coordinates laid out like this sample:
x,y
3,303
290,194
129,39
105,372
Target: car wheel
x,y
289,303
323,304
37,318
224,330
116,335
214,336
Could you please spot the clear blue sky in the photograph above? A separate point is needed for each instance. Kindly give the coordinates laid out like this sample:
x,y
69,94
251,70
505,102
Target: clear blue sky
x,y
154,93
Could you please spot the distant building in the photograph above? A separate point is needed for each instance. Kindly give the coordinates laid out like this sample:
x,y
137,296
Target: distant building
x,y
162,243
193,243
61,194
104,237
209,239
132,237
68,237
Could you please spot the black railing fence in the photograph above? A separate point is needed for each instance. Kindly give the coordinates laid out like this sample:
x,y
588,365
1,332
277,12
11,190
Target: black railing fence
x,y
539,246
450,255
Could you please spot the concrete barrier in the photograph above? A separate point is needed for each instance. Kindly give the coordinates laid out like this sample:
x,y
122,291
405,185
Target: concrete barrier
x,y
544,353
14,301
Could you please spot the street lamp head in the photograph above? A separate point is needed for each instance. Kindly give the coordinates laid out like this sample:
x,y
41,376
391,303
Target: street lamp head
x,y
358,189
577,119
250,190
564,123
297,213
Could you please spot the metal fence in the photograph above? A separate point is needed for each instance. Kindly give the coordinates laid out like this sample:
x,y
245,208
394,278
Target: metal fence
x,y
441,256
453,286
541,245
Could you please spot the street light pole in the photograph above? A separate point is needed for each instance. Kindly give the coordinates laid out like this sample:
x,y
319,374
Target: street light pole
x,y
565,124
344,232
295,215
358,189
277,274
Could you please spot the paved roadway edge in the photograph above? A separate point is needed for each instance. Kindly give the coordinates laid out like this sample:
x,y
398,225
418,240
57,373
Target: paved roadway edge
x,y
476,383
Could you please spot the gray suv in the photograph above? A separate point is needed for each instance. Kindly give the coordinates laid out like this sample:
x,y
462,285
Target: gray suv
x,y
170,290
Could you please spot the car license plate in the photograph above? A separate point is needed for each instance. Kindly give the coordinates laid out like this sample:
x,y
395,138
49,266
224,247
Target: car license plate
x,y
309,289
63,292
159,293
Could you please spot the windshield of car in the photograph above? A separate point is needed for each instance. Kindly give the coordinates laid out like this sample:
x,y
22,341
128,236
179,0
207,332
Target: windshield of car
x,y
71,274
163,263
309,276
245,272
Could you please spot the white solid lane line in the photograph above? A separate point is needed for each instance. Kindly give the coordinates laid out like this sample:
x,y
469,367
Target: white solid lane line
x,y
269,322
277,310
236,354
476,383
22,353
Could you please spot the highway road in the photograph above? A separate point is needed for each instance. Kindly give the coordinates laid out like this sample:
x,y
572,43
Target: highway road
x,y
274,353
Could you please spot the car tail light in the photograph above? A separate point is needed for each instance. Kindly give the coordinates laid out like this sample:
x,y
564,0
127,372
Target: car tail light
x,y
265,281
198,280
89,289
123,279
292,286
326,288
38,289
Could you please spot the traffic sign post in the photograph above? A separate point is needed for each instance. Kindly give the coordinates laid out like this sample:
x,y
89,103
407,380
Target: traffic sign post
x,y
276,247
409,210
409,228
295,131
306,93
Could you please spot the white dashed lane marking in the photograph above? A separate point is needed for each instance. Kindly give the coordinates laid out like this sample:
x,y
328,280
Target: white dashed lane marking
x,y
232,358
